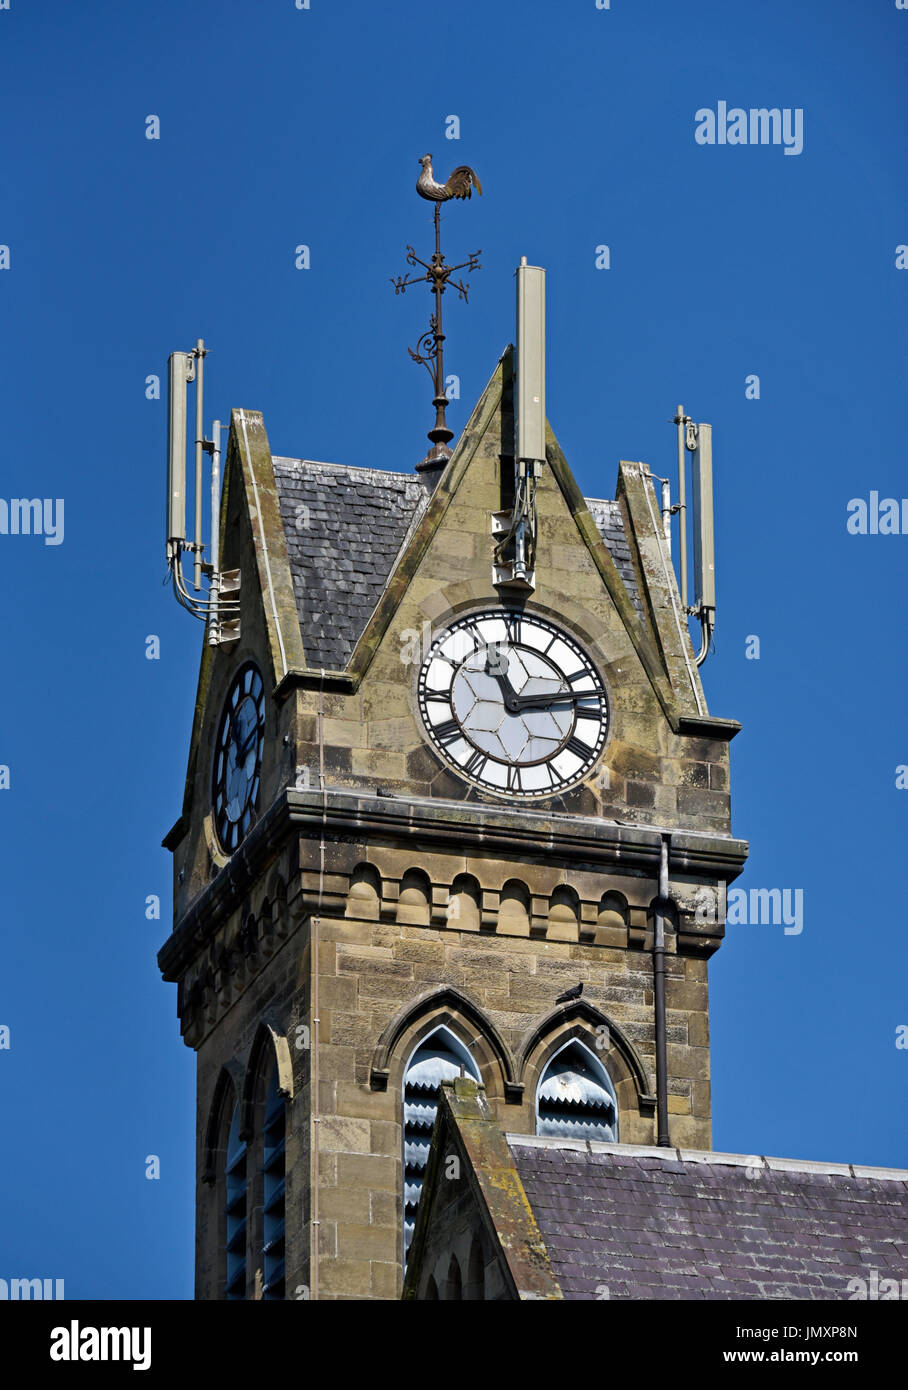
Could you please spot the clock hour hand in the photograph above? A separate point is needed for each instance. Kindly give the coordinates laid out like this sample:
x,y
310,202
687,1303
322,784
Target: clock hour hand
x,y
494,669
252,739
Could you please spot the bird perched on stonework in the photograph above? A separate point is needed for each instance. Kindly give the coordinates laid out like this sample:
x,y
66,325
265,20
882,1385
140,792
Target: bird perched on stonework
x,y
459,185
570,994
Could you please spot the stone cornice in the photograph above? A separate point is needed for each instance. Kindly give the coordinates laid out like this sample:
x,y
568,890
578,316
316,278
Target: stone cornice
x,y
468,827
708,726
226,890
510,830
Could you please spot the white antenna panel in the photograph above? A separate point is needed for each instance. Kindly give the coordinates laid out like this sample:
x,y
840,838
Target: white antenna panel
x,y
704,546
182,371
530,402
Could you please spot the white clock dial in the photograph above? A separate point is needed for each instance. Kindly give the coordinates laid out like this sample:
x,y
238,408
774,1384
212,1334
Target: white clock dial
x,y
513,703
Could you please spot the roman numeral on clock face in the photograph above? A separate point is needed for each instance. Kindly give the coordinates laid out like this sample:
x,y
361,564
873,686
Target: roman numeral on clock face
x,y
470,632
475,763
446,730
578,676
576,746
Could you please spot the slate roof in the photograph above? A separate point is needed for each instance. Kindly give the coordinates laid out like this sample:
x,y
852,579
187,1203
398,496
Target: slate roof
x,y
610,525
345,528
649,1223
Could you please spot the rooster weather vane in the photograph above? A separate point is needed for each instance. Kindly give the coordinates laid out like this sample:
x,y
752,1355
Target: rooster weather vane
x,y
429,351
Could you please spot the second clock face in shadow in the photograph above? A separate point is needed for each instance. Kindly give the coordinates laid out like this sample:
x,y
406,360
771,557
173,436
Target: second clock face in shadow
x,y
238,758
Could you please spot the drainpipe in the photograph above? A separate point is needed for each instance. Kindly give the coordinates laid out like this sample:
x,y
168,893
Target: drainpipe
x,y
662,901
315,922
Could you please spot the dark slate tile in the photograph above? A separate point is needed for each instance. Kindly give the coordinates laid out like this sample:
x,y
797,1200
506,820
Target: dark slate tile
x,y
705,1230
345,527
340,563
610,525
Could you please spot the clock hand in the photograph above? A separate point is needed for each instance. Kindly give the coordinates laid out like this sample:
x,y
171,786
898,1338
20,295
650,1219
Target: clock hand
x,y
493,669
244,751
544,701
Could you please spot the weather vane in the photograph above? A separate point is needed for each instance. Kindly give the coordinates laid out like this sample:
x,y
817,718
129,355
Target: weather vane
x,y
430,347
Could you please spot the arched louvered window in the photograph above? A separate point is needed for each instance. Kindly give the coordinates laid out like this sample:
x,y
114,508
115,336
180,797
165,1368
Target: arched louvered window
x,y
273,1173
235,1210
576,1099
439,1057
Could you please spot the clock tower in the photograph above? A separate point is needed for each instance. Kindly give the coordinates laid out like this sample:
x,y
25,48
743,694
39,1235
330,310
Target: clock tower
x,y
454,806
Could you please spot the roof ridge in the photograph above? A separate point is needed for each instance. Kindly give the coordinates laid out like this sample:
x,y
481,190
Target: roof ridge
x,y
718,1159
348,467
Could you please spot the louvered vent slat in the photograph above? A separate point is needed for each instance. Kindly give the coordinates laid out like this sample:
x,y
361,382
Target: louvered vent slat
x,y
575,1099
439,1058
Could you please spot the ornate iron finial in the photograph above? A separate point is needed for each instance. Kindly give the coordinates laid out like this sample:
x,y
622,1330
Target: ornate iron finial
x,y
429,351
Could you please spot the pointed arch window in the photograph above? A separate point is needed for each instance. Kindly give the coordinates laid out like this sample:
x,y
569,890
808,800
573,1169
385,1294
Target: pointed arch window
x,y
273,1194
235,1210
575,1098
439,1057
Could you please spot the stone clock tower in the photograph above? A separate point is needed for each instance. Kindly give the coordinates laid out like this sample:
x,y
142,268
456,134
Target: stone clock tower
x,y
429,793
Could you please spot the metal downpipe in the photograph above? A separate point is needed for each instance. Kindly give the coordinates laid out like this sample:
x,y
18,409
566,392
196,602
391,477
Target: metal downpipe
x,y
662,1137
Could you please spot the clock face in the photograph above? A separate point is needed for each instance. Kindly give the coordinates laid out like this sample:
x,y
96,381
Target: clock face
x,y
238,758
513,704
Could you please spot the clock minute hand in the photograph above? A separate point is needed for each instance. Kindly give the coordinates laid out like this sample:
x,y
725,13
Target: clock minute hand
x,y
543,701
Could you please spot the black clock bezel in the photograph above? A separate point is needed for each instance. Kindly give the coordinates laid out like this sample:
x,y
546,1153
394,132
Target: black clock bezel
x,y
513,792
246,684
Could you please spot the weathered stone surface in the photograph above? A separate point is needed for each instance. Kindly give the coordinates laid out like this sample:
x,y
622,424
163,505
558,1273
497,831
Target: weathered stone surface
x,y
452,1224
337,1135
338,565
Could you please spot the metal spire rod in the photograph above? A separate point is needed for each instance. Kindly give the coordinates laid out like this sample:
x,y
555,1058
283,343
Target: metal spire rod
x,y
430,346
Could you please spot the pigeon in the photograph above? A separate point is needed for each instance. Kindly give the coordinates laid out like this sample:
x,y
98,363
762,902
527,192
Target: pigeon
x,y
459,185
570,994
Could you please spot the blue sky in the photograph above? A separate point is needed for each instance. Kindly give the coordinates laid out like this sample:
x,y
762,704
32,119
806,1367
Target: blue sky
x,y
281,127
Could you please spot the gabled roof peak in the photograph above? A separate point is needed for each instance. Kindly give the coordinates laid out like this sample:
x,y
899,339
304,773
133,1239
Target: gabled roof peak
x,y
360,470
346,526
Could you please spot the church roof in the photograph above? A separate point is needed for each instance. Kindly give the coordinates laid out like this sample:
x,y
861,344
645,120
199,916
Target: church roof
x,y
668,1223
609,521
583,1219
345,528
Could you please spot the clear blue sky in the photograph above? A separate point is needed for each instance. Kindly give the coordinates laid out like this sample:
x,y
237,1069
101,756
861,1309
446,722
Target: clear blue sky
x,y
281,127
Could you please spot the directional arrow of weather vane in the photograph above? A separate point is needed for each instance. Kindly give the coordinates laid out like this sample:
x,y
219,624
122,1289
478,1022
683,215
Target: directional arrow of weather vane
x,y
429,349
